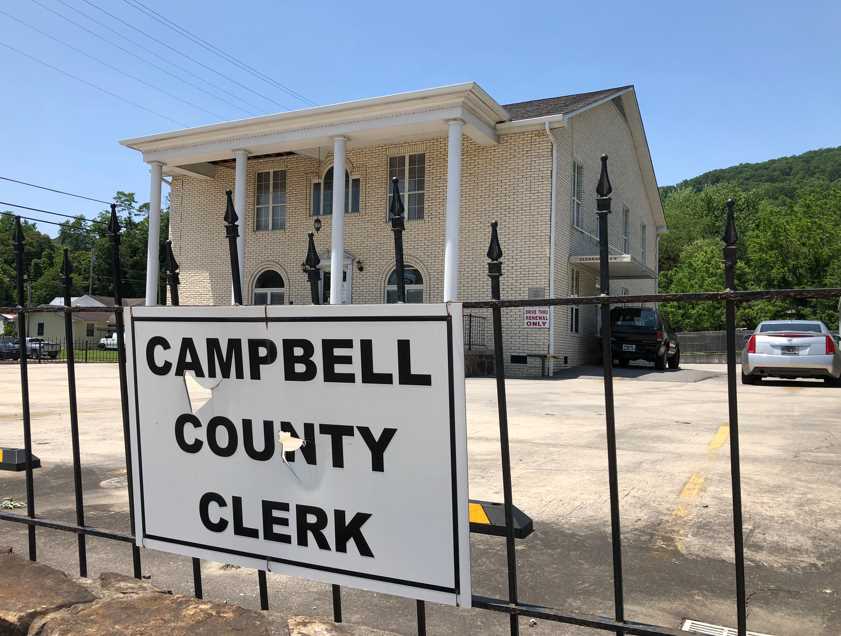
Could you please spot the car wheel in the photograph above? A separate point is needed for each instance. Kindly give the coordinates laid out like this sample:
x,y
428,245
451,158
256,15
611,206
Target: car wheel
x,y
674,361
660,362
750,379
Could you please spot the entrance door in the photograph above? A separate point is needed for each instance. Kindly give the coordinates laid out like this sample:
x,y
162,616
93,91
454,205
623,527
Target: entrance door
x,y
347,280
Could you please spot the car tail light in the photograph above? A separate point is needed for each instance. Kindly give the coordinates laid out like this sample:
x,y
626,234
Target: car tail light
x,y
830,345
752,344
659,335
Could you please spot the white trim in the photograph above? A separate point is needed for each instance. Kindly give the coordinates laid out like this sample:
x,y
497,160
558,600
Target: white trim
x,y
455,128
337,227
153,242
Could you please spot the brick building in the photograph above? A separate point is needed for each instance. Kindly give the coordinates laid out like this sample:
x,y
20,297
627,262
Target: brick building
x,y
462,160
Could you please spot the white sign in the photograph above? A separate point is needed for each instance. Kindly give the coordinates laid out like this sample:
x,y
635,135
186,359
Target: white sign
x,y
536,317
324,442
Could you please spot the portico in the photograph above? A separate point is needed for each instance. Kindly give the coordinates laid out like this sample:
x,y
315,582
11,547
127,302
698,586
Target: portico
x,y
451,112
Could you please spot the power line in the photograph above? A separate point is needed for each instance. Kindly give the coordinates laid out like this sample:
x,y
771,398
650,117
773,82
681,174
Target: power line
x,y
92,85
182,53
29,218
69,194
78,217
215,49
159,67
111,66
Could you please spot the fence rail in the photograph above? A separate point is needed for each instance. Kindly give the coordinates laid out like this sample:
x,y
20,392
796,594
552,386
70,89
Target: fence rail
x,y
512,604
47,350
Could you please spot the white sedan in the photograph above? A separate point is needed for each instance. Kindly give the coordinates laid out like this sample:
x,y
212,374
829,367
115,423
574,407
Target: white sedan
x,y
791,349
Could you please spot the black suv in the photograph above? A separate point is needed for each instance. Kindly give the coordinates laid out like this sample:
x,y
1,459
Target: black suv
x,y
641,333
9,349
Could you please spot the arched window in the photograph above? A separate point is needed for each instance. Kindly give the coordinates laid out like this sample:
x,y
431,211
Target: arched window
x,y
322,194
414,286
269,289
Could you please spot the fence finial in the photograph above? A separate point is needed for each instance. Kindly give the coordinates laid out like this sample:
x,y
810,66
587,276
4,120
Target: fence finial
x,y
311,263
494,249
730,237
395,213
66,266
231,233
114,224
172,277
494,263
603,188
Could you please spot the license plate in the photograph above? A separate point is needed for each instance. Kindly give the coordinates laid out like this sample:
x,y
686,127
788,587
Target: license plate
x,y
791,351
629,347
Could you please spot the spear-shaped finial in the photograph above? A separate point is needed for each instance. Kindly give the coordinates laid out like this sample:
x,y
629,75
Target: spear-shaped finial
x,y
730,236
494,249
114,224
396,209
603,188
66,266
312,260
231,218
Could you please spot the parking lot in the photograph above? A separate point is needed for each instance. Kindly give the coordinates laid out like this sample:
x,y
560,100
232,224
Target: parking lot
x,y
674,485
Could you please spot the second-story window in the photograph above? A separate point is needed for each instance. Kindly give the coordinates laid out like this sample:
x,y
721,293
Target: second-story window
x,y
574,310
643,243
410,171
270,208
577,195
626,230
322,194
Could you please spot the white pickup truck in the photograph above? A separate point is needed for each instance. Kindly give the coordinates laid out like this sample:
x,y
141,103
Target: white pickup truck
x,y
109,342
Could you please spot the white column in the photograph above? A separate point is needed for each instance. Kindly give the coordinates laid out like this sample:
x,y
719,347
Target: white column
x,y
240,192
337,249
451,249
153,241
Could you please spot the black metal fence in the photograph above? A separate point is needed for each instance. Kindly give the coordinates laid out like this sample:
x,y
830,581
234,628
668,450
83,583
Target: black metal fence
x,y
44,350
475,331
512,605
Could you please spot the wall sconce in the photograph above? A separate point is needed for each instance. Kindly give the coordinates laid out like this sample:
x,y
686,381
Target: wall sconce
x,y
360,266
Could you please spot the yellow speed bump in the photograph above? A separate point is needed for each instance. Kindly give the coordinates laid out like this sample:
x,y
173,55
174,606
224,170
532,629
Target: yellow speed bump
x,y
487,517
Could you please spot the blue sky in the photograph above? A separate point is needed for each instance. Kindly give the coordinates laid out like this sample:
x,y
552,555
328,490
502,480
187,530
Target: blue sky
x,y
719,83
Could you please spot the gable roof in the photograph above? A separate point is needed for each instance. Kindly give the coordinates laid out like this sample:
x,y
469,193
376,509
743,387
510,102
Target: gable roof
x,y
562,105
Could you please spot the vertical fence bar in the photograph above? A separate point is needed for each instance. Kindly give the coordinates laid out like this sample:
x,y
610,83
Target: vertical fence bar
x,y
231,233
264,589
395,213
24,385
337,603
730,239
173,280
116,275
603,191
70,355
311,263
421,611
494,273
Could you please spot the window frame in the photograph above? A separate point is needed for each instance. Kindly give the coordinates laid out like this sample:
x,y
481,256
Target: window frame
x,y
393,288
270,205
90,330
403,184
574,310
268,291
644,243
626,229
348,194
577,195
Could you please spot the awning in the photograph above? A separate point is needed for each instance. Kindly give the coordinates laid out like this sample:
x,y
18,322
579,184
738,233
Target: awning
x,y
621,266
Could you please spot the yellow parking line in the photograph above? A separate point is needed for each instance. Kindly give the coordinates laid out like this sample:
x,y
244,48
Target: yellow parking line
x,y
719,438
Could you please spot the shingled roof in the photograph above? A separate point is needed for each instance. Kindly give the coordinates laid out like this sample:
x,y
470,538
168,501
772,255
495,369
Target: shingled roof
x,y
559,105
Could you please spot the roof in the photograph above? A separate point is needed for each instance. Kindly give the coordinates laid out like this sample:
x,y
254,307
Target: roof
x,y
561,105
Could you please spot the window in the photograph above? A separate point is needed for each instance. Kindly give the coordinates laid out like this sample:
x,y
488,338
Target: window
x,y
270,210
577,194
414,286
574,290
39,329
643,243
322,194
269,289
626,230
89,330
411,180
